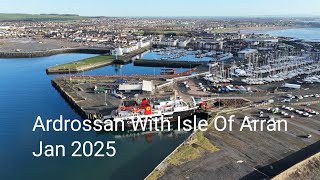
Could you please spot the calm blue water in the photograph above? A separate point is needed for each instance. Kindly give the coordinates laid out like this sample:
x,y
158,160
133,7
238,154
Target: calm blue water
x,y
312,21
26,92
308,34
128,69
188,57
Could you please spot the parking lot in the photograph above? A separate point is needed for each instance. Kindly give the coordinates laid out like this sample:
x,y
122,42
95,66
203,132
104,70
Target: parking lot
x,y
256,155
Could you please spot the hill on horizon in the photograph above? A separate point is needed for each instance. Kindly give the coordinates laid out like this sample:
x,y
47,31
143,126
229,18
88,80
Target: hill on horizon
x,y
38,17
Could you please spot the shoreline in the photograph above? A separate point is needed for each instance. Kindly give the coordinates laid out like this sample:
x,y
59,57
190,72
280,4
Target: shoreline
x,y
268,28
273,28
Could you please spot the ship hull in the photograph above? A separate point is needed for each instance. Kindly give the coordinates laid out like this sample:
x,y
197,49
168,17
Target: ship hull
x,y
157,119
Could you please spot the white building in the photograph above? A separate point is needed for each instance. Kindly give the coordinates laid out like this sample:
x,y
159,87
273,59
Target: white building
x,y
145,86
184,42
165,42
142,44
261,40
130,48
210,44
243,54
117,51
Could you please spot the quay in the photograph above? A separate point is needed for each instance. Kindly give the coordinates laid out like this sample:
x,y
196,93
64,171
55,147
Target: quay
x,y
67,93
79,91
81,98
92,96
244,154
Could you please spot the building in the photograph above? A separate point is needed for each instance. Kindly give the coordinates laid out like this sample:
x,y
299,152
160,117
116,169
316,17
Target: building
x,y
183,42
119,51
165,42
264,41
246,53
143,87
209,44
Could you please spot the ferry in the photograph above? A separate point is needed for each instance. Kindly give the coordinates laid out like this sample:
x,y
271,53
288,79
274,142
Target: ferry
x,y
170,109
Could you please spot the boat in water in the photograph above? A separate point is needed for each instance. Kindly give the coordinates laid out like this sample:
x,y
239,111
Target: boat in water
x,y
168,71
169,109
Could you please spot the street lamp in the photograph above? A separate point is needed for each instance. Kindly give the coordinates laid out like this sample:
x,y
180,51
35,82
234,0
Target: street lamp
x,y
105,98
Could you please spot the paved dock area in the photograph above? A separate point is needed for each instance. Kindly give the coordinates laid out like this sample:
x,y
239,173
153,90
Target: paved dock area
x,y
253,155
79,92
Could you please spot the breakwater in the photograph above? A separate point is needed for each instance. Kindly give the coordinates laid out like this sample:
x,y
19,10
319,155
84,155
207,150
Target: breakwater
x,y
53,52
55,70
171,63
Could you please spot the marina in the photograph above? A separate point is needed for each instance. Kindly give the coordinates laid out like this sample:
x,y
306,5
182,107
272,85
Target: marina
x,y
281,69
137,71
184,55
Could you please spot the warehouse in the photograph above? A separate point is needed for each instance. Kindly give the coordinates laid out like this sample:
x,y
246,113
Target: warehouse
x,y
143,87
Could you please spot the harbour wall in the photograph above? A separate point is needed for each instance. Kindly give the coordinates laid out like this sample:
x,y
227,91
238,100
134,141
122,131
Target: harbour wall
x,y
53,52
54,70
283,166
306,168
166,63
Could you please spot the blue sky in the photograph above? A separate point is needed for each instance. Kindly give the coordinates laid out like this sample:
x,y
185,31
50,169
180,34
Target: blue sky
x,y
164,7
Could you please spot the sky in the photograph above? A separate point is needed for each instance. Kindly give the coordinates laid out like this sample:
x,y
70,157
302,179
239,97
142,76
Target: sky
x,y
165,7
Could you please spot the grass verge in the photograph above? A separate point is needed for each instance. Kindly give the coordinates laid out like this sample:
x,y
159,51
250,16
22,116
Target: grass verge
x,y
85,62
197,145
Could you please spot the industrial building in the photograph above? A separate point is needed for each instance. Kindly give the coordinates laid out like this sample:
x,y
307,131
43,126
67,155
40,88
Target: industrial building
x,y
143,87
